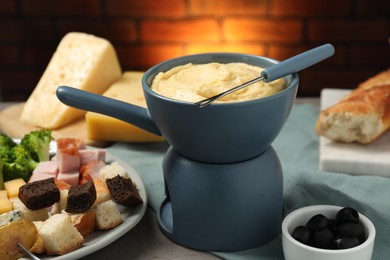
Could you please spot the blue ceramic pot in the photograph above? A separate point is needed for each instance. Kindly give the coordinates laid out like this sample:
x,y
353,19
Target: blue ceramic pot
x,y
218,133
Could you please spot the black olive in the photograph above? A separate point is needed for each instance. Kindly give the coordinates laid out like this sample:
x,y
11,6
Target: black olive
x,y
333,226
345,231
354,230
302,234
322,239
346,215
318,223
344,243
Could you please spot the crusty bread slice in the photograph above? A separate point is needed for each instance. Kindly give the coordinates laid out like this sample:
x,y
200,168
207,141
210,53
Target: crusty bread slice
x,y
19,231
362,116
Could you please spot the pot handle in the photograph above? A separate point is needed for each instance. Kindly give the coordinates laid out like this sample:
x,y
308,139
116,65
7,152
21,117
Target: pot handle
x,y
129,113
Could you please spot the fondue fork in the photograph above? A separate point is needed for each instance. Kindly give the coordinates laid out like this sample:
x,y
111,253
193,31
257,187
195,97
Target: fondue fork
x,y
279,70
26,251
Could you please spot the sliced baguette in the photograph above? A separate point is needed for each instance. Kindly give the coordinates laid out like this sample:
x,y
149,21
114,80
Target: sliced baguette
x,y
362,116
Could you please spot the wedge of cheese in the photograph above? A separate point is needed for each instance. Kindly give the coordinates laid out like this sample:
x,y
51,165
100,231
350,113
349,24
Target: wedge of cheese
x,y
81,61
103,128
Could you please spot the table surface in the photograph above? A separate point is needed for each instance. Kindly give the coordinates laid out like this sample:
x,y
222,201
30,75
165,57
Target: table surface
x,y
145,241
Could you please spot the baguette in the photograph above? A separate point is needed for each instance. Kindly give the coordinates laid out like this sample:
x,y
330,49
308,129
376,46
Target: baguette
x,y
361,116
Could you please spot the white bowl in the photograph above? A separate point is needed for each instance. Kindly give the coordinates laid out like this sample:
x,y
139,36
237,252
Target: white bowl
x,y
295,250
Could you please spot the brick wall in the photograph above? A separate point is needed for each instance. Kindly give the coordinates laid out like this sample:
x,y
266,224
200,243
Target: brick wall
x,y
145,32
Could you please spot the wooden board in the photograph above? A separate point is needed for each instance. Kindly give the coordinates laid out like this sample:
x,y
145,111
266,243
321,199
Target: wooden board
x,y
11,125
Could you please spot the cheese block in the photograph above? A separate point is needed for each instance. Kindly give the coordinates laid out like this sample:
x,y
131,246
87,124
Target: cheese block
x,y
5,205
10,217
104,128
12,187
82,61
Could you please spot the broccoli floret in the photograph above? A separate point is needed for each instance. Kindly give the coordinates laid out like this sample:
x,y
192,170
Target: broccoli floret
x,y
5,153
6,144
14,171
20,160
22,157
37,143
21,164
6,141
1,175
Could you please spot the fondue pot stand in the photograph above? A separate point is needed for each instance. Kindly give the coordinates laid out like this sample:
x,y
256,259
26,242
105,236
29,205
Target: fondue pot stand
x,y
222,207
223,180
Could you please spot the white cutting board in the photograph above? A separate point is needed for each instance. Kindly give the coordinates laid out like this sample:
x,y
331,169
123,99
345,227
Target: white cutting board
x,y
353,158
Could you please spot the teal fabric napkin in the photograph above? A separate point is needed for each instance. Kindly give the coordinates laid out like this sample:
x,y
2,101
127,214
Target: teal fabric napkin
x,y
298,149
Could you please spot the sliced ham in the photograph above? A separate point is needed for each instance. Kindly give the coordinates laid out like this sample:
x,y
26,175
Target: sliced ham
x,y
72,178
62,185
44,170
38,176
67,163
67,156
49,167
92,154
90,170
73,144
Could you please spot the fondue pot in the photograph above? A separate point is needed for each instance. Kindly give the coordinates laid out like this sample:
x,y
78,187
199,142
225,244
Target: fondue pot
x,y
223,180
219,133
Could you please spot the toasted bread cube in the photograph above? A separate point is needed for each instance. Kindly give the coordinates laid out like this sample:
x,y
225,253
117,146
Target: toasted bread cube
x,y
12,187
59,206
107,215
38,247
84,222
102,192
112,170
32,215
59,235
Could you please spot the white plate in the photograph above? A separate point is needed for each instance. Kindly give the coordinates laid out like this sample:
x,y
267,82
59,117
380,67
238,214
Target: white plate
x,y
131,216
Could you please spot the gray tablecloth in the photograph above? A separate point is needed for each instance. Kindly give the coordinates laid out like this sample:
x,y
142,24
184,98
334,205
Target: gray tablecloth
x,y
298,149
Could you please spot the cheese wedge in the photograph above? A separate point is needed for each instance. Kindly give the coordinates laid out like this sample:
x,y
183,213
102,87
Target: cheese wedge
x,y
104,128
81,61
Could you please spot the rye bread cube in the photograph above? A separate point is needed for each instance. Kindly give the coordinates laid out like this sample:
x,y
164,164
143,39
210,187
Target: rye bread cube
x,y
123,191
81,197
39,194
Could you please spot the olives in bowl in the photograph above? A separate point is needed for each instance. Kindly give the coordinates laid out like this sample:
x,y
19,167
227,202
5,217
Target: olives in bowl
x,y
327,232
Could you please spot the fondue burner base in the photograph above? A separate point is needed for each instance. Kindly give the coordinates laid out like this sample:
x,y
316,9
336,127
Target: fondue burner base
x,y
222,207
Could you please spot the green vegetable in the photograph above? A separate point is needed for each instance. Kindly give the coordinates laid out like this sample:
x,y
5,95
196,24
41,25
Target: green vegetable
x,y
19,160
37,143
1,175
6,141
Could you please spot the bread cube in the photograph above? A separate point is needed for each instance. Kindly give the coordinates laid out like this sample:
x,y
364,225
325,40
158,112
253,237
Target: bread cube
x,y
59,235
102,192
84,222
38,247
32,215
111,170
107,215
59,206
